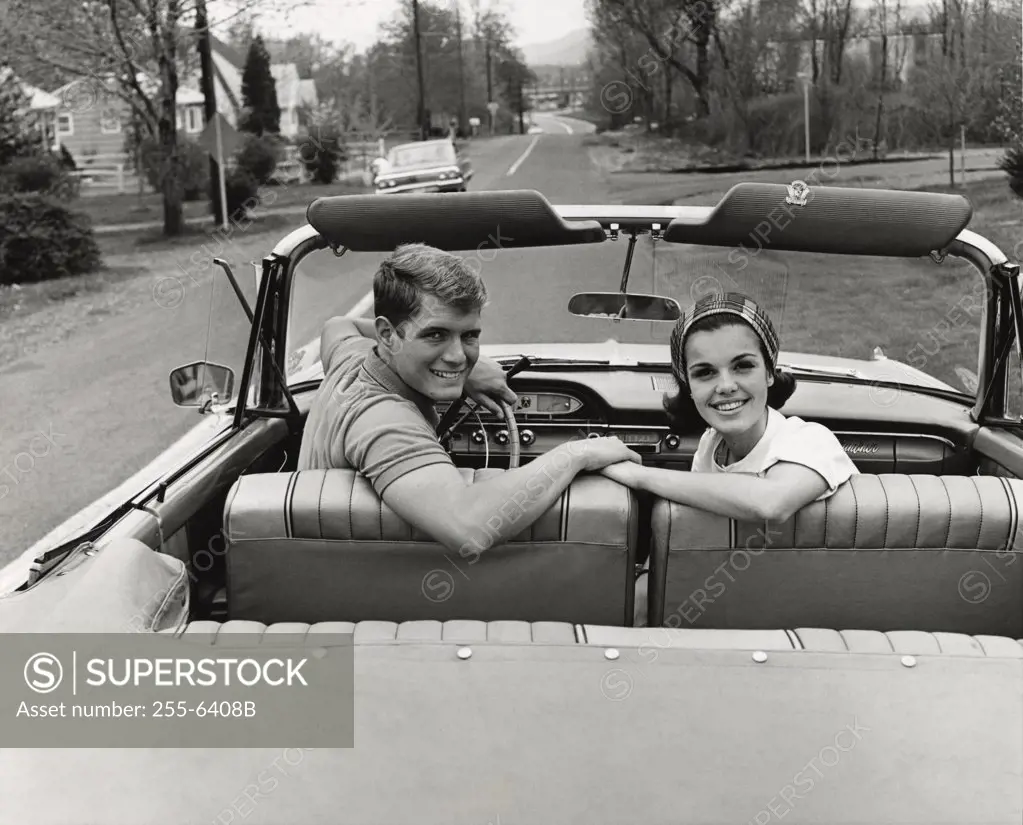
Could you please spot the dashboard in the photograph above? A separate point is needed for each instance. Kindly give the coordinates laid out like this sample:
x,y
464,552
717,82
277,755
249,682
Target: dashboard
x,y
918,434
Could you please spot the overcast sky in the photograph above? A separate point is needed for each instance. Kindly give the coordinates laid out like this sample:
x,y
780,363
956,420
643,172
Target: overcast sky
x,y
356,21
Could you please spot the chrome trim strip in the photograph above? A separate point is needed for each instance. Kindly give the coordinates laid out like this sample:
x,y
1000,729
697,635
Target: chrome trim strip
x,y
976,249
984,255
447,168
632,214
287,245
415,187
560,425
940,438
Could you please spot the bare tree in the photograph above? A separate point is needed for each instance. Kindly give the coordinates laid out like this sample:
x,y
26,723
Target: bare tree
x,y
677,33
887,18
135,50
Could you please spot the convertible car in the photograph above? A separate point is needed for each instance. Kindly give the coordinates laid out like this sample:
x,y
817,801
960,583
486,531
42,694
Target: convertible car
x,y
428,166
861,662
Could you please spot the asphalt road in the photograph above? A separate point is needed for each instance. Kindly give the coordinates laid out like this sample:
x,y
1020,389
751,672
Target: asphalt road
x,y
79,417
102,399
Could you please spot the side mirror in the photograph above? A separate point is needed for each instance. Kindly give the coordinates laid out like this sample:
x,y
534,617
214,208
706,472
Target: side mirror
x,y
625,306
201,384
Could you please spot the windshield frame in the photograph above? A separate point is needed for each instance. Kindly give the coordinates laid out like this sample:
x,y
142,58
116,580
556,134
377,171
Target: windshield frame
x,y
991,264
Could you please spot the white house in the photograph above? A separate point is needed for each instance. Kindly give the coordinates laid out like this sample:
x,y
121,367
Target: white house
x,y
293,93
42,107
88,118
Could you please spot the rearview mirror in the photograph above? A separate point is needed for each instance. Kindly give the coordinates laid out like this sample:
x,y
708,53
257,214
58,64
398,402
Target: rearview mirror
x,y
625,306
201,384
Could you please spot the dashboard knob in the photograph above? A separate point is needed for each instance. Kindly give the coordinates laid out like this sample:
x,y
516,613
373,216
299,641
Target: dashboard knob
x,y
479,436
672,442
501,437
526,437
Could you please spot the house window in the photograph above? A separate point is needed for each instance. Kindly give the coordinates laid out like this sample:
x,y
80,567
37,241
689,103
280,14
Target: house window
x,y
110,122
179,121
65,125
194,121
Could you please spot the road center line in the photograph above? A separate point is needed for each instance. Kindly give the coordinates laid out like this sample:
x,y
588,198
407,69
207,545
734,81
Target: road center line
x,y
514,167
564,126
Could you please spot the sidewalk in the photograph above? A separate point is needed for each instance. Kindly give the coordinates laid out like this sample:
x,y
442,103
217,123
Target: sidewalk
x,y
207,220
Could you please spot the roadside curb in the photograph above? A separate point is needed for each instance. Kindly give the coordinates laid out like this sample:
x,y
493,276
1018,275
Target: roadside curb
x,y
111,228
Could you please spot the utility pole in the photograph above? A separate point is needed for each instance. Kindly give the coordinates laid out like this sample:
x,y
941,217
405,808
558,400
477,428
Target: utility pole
x,y
209,93
490,92
424,131
522,125
462,126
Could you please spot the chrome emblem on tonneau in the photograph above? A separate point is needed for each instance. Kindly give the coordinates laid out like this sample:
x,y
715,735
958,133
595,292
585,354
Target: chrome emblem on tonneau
x,y
798,193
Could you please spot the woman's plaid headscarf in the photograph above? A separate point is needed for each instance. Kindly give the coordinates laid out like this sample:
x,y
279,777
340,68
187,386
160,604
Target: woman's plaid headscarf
x,y
731,303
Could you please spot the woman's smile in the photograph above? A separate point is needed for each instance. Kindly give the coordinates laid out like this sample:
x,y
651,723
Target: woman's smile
x,y
730,406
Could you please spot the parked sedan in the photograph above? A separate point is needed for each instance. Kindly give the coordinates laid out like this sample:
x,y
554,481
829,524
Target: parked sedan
x,y
426,166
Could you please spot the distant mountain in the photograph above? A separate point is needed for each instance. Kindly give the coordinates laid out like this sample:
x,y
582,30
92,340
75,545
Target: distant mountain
x,y
570,50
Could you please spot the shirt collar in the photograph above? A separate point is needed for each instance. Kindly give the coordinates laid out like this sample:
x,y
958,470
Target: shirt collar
x,y
775,420
377,369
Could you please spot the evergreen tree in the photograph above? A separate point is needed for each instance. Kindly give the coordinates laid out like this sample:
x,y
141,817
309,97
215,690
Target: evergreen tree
x,y
17,138
259,92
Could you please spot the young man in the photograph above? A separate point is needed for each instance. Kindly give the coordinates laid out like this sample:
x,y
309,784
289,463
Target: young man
x,y
374,412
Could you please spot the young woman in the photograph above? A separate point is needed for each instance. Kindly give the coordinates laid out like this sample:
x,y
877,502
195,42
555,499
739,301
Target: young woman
x,y
752,463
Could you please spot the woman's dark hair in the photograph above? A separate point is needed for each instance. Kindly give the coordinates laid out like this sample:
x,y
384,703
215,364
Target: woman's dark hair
x,y
683,417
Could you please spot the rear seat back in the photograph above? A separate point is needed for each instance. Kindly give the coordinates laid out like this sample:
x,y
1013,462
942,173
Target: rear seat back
x,y
320,545
886,552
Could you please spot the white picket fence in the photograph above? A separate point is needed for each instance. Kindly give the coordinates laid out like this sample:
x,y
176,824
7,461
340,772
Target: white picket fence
x,y
115,173
105,173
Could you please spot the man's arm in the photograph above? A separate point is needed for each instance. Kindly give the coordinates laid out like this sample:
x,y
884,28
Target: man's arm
x,y
436,499
344,327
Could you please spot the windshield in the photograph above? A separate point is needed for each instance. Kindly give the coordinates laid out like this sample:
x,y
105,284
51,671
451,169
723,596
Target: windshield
x,y
831,311
419,154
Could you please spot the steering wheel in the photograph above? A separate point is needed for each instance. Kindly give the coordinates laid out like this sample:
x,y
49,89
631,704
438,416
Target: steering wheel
x,y
513,435
448,423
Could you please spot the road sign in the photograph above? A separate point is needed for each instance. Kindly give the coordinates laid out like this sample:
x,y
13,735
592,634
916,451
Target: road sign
x,y
492,107
230,138
221,140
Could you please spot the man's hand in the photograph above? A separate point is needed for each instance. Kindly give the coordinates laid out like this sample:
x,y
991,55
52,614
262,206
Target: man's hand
x,y
486,385
598,453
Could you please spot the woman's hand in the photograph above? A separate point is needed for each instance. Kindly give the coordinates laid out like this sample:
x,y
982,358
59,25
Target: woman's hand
x,y
628,473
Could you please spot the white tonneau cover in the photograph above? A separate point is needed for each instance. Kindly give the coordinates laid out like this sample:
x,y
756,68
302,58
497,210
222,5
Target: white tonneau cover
x,y
563,723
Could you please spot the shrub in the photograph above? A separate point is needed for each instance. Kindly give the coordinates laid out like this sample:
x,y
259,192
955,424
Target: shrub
x,y
242,191
41,239
42,173
259,158
67,160
193,165
1012,165
322,151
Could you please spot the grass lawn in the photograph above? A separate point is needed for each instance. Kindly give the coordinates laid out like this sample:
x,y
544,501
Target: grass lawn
x,y
37,315
131,208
